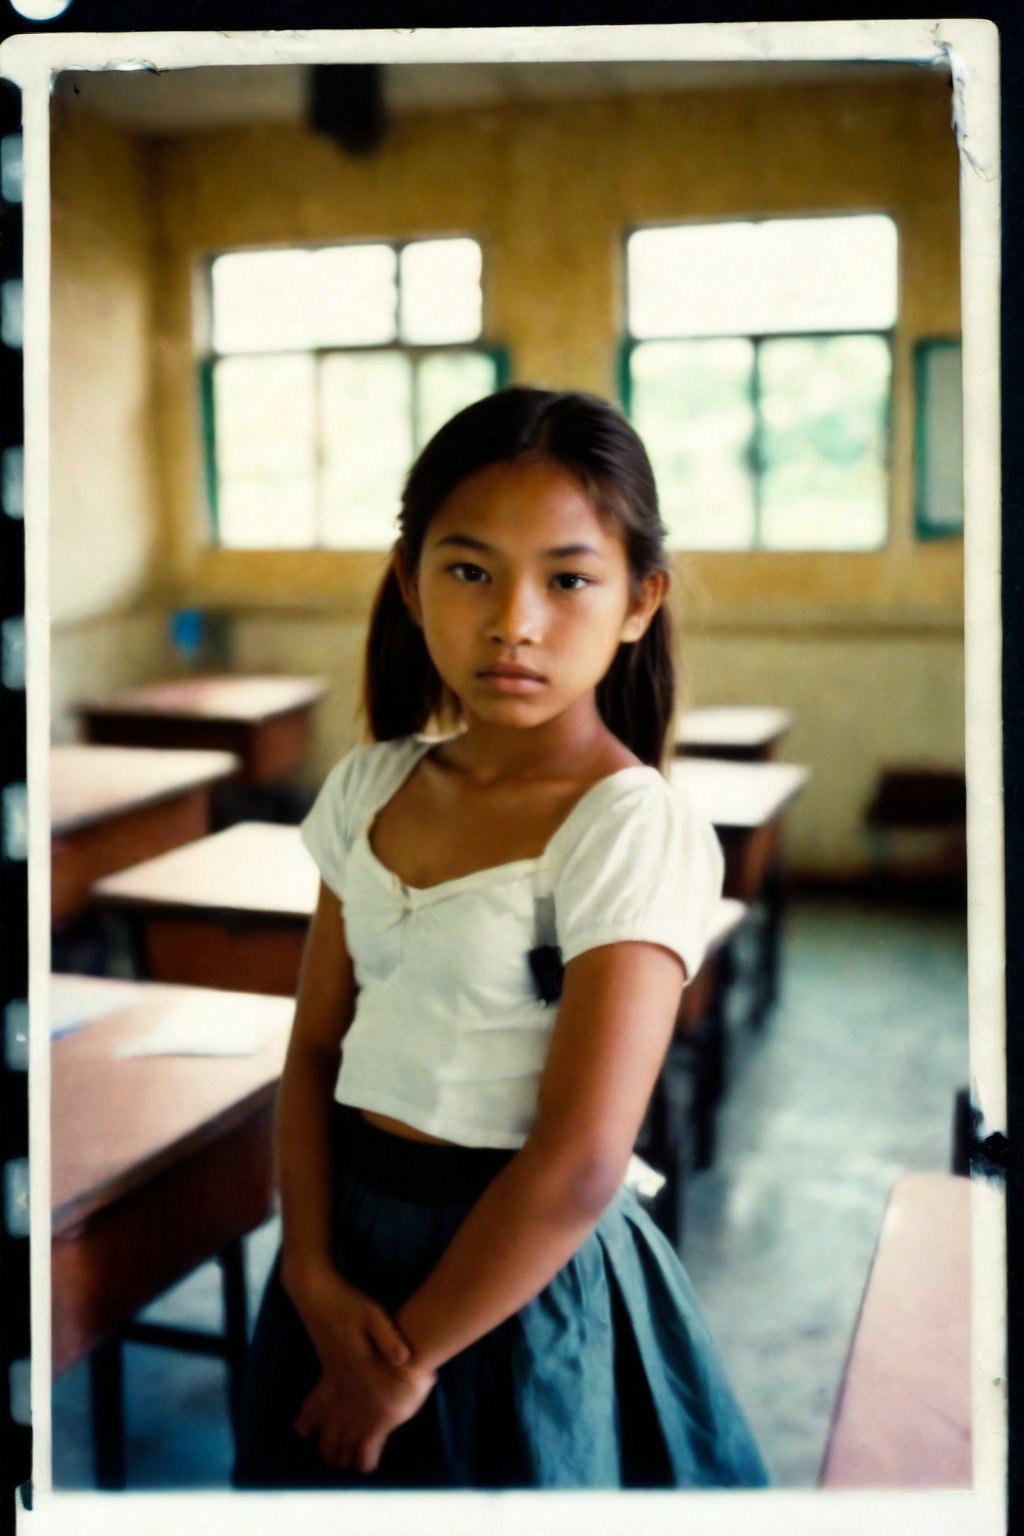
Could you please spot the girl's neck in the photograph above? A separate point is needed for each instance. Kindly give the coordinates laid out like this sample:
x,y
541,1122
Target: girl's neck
x,y
574,745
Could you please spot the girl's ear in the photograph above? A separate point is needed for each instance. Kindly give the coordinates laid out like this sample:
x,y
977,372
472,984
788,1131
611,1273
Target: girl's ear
x,y
652,593
407,584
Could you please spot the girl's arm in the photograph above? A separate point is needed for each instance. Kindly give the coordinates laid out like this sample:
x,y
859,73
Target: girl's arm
x,y
614,1023
360,1349
324,1007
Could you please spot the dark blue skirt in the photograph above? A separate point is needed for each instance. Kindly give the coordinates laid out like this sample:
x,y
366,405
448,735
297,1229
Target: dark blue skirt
x,y
607,1379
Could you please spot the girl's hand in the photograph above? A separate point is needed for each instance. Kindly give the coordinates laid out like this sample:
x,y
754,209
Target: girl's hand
x,y
368,1386
344,1323
353,1408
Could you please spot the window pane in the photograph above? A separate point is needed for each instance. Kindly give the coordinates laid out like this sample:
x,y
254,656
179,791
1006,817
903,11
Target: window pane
x,y
448,381
441,296
365,445
259,301
275,300
820,274
263,420
824,437
353,295
692,407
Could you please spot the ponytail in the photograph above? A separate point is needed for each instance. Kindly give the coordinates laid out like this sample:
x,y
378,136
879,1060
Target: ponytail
x,y
402,689
636,696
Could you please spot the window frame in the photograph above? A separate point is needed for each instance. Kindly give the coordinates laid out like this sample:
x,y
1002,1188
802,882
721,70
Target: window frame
x,y
629,343
926,529
208,358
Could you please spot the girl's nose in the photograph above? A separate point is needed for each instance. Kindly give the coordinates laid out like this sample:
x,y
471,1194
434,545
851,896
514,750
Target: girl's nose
x,y
516,617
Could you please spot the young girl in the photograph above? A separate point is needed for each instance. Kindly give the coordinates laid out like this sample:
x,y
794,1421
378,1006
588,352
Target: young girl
x,y
466,1294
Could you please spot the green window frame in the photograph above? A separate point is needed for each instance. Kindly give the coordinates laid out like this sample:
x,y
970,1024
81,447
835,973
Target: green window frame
x,y
754,457
415,355
755,454
938,434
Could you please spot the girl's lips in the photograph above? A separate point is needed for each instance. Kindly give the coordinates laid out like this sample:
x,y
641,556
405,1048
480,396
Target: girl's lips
x,y
511,679
503,671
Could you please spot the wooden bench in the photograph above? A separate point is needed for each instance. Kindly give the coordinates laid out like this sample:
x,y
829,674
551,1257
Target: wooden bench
x,y
264,721
111,807
745,733
903,1417
917,821
158,1163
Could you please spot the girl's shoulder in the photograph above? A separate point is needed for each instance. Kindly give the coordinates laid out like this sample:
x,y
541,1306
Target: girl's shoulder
x,y
631,797
635,860
350,797
367,776
375,760
629,825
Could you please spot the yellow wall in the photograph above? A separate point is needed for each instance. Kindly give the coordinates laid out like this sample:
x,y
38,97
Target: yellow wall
x,y
869,646
104,521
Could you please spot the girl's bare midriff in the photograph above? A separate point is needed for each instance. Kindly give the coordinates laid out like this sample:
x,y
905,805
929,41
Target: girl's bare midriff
x,y
399,1128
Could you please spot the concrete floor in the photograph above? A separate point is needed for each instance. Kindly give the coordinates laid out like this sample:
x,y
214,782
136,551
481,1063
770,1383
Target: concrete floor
x,y
851,1083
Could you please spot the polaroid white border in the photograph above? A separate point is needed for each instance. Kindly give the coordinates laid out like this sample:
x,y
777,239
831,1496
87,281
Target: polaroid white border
x,y
970,49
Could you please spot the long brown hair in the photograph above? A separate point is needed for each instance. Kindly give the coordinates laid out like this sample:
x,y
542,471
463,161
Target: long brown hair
x,y
592,441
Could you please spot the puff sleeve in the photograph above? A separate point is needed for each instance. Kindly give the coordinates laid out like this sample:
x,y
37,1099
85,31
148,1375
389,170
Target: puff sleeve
x,y
332,823
645,866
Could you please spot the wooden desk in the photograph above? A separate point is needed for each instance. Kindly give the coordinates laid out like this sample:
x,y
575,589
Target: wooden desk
x,y
114,806
699,993
694,1072
745,803
230,910
701,1026
743,732
158,1164
263,720
903,1418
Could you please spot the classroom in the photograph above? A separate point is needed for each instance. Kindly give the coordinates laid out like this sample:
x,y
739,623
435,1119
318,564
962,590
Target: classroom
x,y
269,286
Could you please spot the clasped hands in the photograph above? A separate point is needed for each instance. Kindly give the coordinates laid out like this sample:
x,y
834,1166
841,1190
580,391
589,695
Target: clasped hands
x,y
370,1383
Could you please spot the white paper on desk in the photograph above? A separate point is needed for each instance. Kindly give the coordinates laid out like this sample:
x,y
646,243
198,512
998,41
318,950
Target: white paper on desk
x,y
182,1033
69,1009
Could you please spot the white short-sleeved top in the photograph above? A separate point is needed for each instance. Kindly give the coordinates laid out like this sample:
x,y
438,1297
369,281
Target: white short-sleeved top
x,y
449,1034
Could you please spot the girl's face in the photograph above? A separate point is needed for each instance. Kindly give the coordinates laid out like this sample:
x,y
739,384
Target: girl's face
x,y
524,595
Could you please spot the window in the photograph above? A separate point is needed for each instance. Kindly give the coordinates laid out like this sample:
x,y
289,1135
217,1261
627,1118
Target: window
x,y
758,370
328,370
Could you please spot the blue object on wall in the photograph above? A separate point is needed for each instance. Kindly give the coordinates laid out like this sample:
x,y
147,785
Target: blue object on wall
x,y
186,626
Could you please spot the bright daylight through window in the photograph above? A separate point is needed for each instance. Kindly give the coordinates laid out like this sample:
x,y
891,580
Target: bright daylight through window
x,y
328,370
758,369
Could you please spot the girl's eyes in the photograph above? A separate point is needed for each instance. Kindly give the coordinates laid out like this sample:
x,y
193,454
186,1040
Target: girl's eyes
x,y
565,581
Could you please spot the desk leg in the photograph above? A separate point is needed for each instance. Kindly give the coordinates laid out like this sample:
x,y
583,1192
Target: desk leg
x,y
124,941
712,1062
768,981
679,1154
236,1320
106,1389
655,1144
668,1148
138,947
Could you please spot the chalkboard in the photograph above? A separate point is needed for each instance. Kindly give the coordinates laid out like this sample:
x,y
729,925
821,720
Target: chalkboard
x,y
939,500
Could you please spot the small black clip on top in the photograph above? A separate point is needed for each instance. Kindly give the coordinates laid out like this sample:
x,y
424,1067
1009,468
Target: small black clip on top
x,y
546,957
546,965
